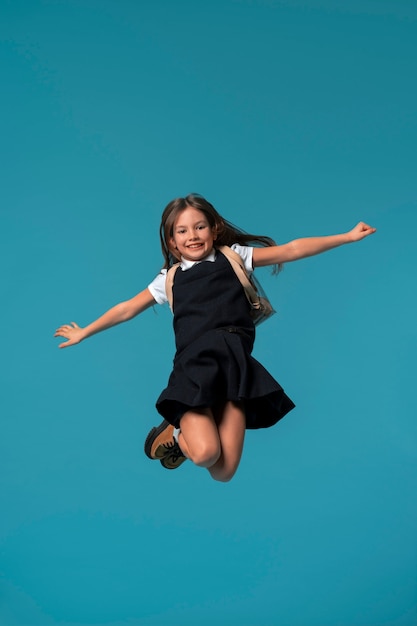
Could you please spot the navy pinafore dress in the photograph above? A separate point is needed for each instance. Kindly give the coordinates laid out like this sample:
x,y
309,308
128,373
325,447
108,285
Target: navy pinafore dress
x,y
214,337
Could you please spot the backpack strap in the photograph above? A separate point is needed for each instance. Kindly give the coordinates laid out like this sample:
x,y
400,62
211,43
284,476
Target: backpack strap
x,y
169,282
236,262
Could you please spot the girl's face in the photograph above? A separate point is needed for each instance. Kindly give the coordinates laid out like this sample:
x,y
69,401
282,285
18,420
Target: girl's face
x,y
192,236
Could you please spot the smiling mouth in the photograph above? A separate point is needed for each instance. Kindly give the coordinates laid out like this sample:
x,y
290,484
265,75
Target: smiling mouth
x,y
195,245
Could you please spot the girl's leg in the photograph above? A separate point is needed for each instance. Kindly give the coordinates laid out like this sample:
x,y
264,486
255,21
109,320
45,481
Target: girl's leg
x,y
199,437
214,444
231,430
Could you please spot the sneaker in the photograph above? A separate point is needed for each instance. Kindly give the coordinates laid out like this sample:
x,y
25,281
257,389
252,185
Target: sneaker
x,y
160,441
174,457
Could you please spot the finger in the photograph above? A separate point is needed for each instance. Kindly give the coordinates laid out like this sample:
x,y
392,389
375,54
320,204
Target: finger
x,y
60,332
66,328
369,229
367,226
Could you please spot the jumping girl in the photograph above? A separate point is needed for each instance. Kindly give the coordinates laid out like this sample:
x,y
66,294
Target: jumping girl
x,y
216,389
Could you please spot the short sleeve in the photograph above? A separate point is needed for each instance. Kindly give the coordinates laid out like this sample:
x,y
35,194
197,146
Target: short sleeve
x,y
246,253
157,288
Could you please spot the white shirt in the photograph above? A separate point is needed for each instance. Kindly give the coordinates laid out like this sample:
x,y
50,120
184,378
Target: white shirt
x,y
157,286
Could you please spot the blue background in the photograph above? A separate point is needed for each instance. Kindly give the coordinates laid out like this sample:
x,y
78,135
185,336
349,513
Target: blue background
x,y
294,118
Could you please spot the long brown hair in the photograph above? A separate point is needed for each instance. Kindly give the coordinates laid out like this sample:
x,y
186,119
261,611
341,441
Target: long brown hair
x,y
226,233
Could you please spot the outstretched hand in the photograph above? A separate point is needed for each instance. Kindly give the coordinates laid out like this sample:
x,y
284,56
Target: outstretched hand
x,y
72,332
361,231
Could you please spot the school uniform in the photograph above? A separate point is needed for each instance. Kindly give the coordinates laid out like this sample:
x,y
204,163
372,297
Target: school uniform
x,y
214,336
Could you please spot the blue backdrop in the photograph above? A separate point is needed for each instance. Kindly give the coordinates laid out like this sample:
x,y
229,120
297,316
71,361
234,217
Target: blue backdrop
x,y
294,118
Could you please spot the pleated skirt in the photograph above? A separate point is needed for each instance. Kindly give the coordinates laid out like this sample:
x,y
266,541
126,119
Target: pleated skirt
x,y
216,367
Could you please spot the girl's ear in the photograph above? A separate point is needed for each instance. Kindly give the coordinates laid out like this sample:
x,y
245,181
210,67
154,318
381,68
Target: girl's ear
x,y
173,249
215,231
218,229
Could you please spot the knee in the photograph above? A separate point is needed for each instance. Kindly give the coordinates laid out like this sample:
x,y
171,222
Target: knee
x,y
205,455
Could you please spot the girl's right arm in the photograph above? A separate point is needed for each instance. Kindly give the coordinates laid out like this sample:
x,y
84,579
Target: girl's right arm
x,y
116,315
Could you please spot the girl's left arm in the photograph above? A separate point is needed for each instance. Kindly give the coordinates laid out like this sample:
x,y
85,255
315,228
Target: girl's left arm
x,y
308,246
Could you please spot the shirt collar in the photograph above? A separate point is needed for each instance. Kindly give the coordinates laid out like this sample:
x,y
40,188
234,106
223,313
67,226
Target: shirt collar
x,y
186,263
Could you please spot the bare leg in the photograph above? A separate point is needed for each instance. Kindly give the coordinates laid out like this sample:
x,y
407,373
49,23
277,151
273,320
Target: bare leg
x,y
214,444
231,430
199,437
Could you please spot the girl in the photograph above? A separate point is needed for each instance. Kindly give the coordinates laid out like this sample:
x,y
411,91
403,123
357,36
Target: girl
x,y
216,389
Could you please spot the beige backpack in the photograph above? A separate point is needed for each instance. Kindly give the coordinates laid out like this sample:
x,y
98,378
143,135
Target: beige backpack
x,y
261,308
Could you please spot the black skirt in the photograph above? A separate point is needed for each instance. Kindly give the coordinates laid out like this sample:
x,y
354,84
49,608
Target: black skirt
x,y
216,367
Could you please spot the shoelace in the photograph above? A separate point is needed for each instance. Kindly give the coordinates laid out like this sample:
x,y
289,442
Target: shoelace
x,y
173,451
170,445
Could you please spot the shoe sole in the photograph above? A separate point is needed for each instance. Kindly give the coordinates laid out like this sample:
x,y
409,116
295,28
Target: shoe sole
x,y
152,443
